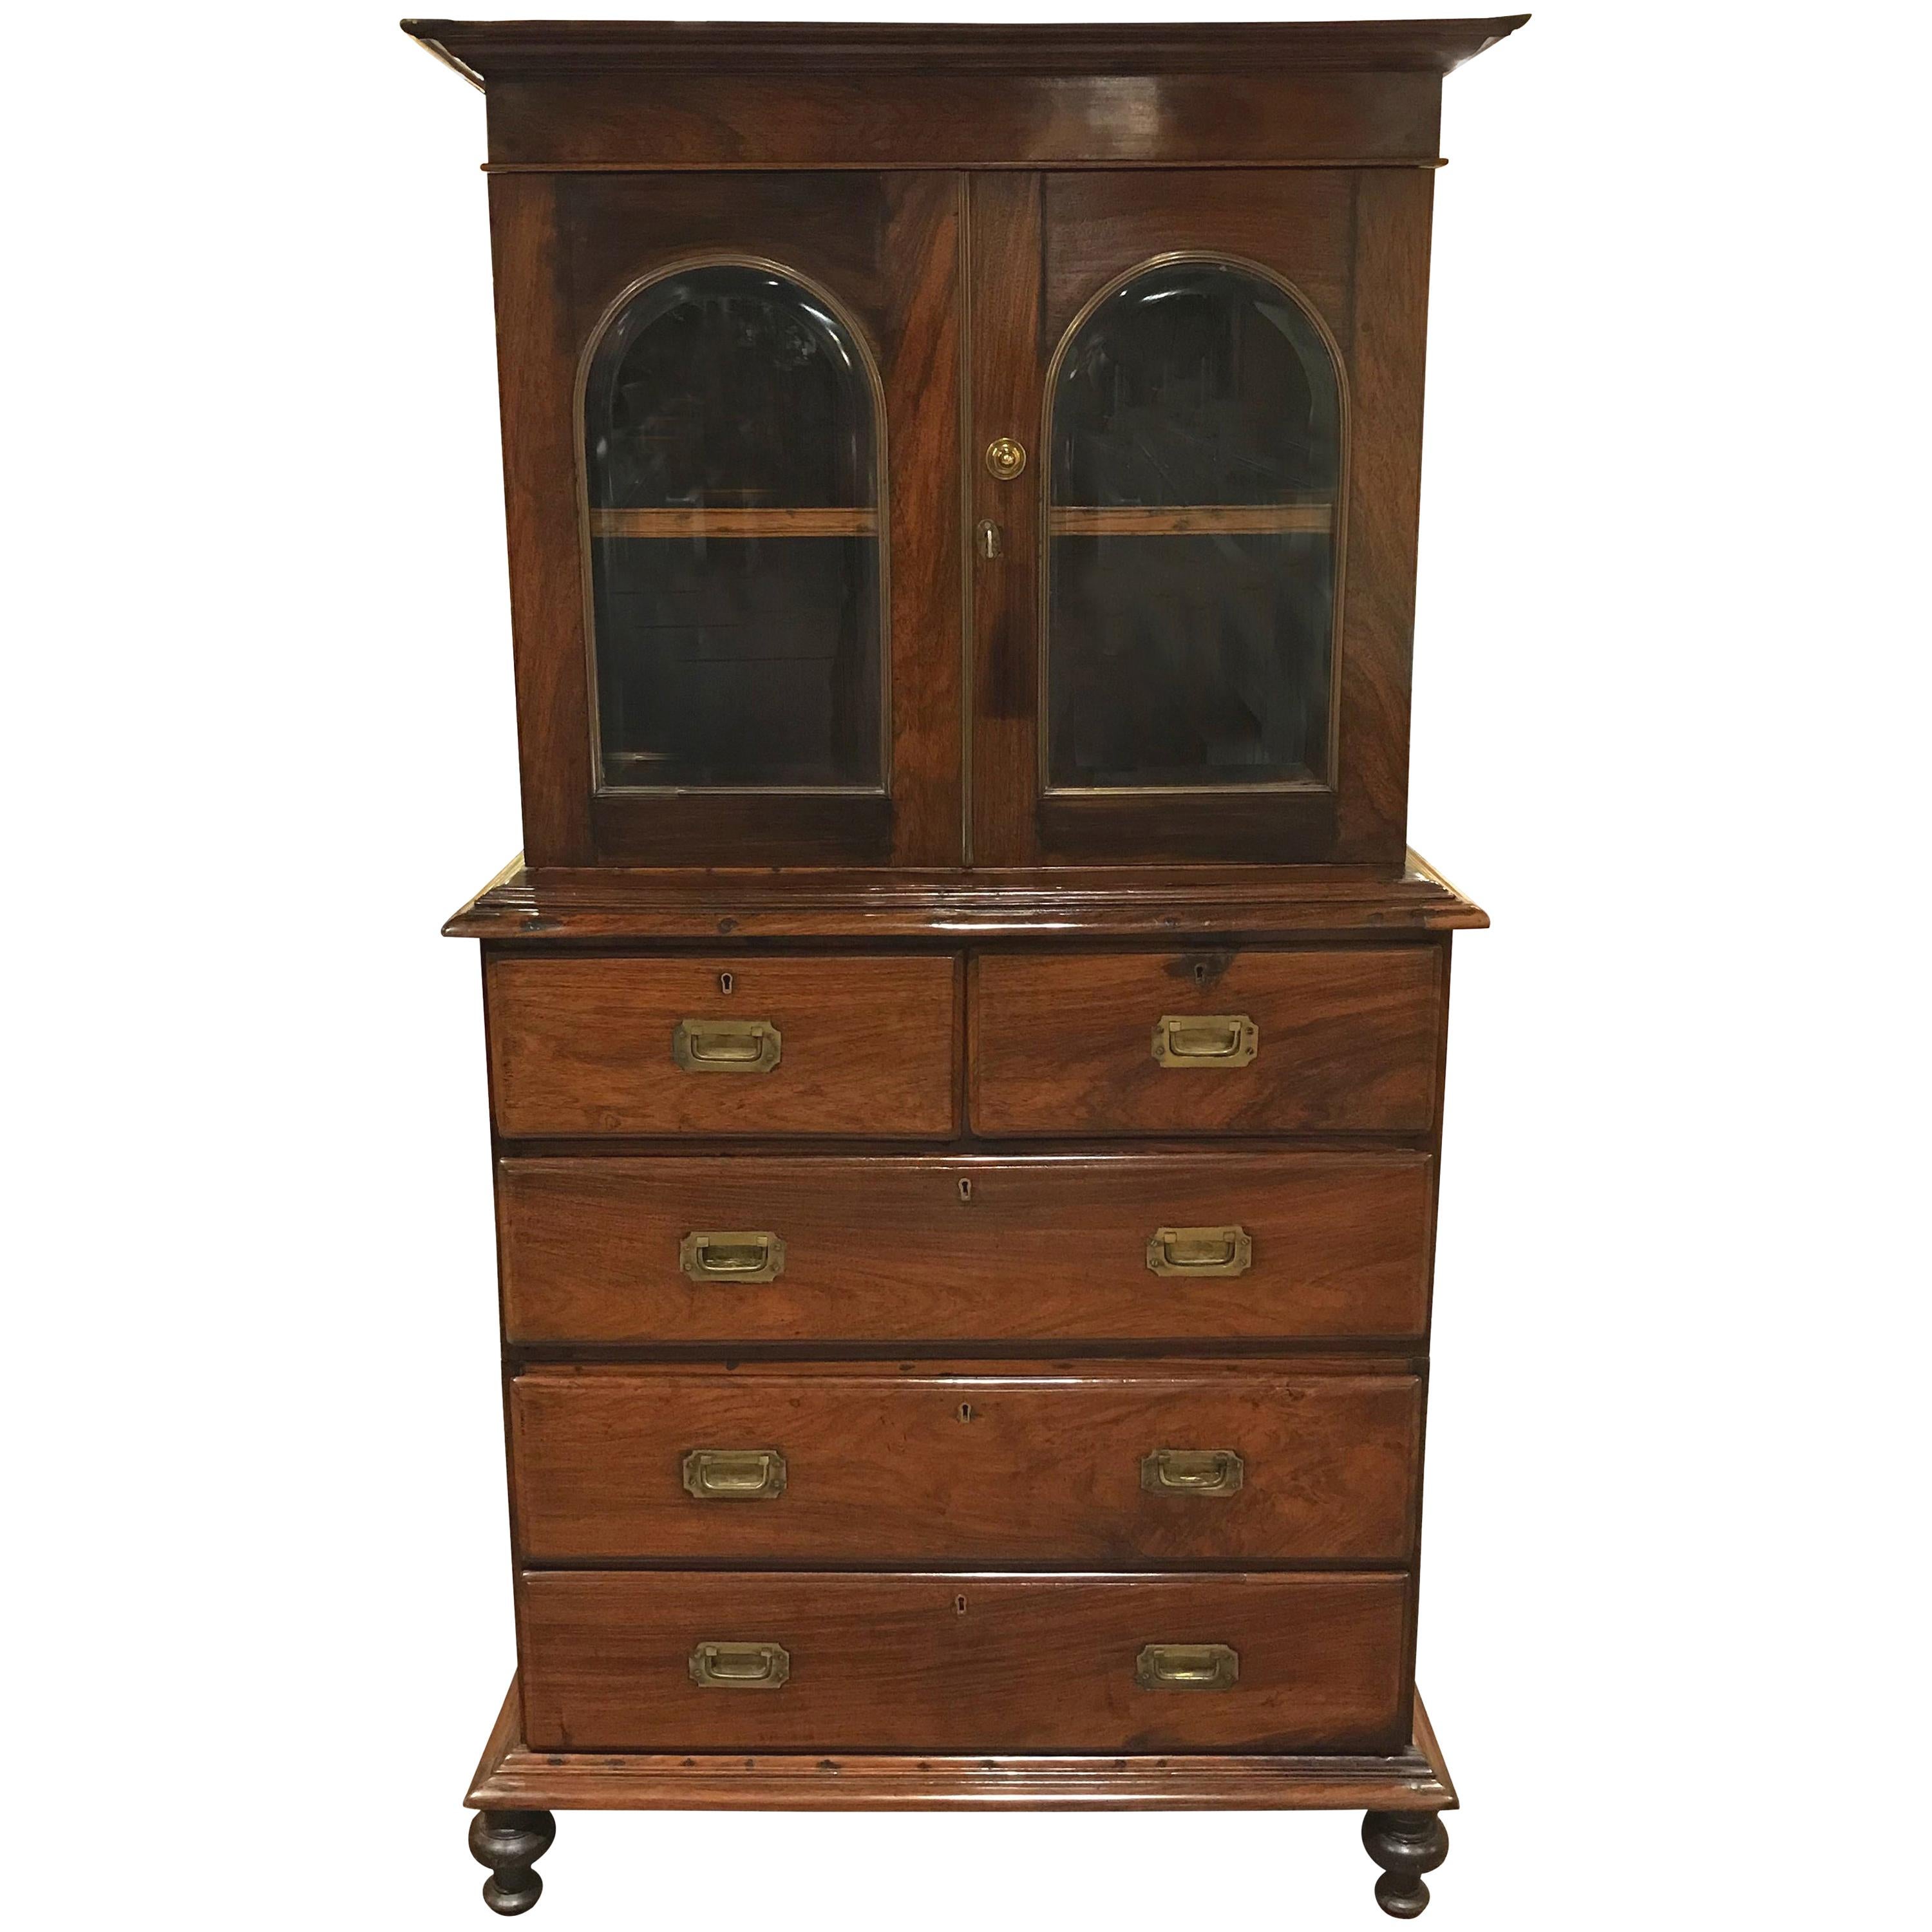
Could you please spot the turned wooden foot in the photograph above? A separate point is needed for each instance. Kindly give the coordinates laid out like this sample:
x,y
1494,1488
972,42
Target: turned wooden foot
x,y
510,1843
1406,1844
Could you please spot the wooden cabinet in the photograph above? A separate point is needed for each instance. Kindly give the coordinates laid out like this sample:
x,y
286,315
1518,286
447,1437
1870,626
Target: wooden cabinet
x,y
966,1031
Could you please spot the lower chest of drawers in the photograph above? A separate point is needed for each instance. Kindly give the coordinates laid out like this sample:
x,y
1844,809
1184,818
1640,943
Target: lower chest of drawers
x,y
1142,1469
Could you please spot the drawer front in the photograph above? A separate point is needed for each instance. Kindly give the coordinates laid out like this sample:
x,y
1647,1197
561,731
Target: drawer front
x,y
1337,1040
864,1045
1204,1465
1122,1247
611,1661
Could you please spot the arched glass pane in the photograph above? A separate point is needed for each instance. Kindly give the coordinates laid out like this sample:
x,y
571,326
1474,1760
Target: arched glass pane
x,y
1194,474
730,448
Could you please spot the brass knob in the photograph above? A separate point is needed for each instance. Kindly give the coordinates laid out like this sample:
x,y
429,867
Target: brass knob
x,y
1005,457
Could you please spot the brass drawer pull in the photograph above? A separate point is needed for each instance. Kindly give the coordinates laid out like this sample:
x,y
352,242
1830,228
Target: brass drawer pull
x,y
735,1256
726,1046
1206,1039
1204,1251
740,1666
1187,1666
734,1475
1192,1472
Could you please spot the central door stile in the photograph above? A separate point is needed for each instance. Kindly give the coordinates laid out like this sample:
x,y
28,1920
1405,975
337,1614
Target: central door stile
x,y
1003,482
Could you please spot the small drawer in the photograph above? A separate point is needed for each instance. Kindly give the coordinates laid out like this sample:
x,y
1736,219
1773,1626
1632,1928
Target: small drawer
x,y
834,1248
1207,1464
677,1660
724,1044
1336,1040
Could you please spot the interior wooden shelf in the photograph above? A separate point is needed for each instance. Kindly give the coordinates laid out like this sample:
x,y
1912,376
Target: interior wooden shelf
x,y
718,522
1187,519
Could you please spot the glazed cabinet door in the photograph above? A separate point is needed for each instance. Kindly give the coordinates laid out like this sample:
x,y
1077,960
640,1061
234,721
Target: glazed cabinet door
x,y
1194,452
730,415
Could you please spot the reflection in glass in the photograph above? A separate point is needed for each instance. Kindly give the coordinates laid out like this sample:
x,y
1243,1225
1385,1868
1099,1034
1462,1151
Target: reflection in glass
x,y
1195,469
730,452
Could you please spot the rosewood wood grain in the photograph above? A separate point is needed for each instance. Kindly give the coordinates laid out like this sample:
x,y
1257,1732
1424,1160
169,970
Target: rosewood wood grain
x,y
742,120
1072,903
1385,346
1349,1039
510,1773
885,1467
536,364
583,1045
895,1663
966,1248
1005,390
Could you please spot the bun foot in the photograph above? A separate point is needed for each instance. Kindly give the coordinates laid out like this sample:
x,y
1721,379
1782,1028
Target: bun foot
x,y
510,1843
1406,1844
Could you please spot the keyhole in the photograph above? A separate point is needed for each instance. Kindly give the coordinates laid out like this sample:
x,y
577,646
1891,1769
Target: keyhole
x,y
725,983
959,1606
965,1411
966,1190
1200,975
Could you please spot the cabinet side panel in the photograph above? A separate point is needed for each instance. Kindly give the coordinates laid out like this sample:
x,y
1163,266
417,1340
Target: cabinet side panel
x,y
536,374
1385,354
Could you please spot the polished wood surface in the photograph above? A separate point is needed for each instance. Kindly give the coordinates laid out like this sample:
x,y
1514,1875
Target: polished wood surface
x,y
583,1045
1350,1041
961,1661
908,1250
1122,902
510,1773
886,1466
963,1353
487,51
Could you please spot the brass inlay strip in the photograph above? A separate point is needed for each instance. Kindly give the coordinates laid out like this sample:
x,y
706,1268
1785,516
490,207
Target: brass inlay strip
x,y
1186,520
720,521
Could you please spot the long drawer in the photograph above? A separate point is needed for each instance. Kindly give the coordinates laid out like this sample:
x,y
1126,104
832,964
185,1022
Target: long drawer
x,y
1340,1039
683,1660
738,1044
1155,1247
1205,1464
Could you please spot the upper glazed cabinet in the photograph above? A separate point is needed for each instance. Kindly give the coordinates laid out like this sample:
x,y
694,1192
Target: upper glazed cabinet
x,y
947,515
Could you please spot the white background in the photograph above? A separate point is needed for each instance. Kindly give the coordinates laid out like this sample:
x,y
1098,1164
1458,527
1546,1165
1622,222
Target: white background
x,y
1669,728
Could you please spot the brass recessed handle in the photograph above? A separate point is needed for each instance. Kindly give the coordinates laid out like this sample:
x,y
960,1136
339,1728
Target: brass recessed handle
x,y
1187,1666
1206,1039
1206,1253
740,1666
726,1046
751,1256
1192,1472
1005,457
734,1475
